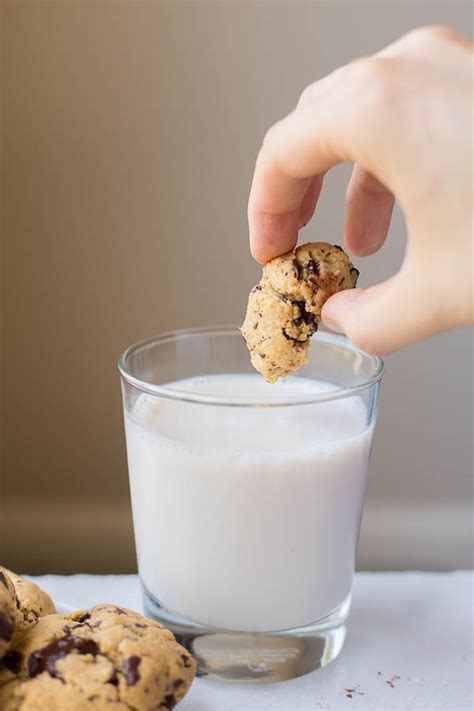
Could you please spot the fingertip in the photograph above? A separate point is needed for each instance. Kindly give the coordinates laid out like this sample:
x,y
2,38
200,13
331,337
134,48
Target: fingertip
x,y
362,244
335,310
272,235
263,252
370,318
259,252
340,314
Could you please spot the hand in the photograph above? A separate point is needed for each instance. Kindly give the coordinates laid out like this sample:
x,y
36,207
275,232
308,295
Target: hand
x,y
404,118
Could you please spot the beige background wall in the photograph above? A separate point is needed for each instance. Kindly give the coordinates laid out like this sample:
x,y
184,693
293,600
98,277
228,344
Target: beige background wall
x,y
129,135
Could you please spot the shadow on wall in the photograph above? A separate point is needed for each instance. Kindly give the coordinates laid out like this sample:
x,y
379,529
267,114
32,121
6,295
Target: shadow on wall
x,y
98,538
130,132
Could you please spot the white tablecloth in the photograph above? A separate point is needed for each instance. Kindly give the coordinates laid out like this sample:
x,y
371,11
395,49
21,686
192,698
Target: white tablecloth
x,y
409,646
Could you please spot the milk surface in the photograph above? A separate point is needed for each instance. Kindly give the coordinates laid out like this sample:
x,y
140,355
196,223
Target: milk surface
x,y
247,518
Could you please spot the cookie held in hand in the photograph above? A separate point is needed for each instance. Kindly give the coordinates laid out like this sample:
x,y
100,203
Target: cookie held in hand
x,y
284,309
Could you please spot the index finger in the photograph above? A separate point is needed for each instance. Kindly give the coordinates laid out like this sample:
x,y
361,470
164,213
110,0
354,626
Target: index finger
x,y
279,186
339,124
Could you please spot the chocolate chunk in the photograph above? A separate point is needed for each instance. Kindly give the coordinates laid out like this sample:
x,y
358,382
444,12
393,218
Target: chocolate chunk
x,y
12,661
307,316
313,267
297,269
255,326
130,670
256,288
289,338
113,678
6,627
45,659
338,246
84,617
140,625
177,683
356,271
170,701
119,611
3,579
186,661
262,355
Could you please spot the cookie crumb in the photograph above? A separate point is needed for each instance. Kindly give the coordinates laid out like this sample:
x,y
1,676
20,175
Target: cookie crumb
x,y
356,690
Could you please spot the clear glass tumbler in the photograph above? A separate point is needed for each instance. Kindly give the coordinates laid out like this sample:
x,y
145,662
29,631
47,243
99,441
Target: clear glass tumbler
x,y
247,497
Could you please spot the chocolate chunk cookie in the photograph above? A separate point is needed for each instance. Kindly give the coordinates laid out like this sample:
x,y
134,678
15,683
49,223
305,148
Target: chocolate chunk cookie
x,y
31,602
105,658
7,612
284,309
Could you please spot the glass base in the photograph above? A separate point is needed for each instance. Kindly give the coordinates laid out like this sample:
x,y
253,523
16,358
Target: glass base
x,y
256,657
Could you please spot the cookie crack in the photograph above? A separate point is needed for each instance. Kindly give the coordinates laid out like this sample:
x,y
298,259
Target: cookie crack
x,y
296,341
308,316
23,612
116,669
115,672
310,319
118,700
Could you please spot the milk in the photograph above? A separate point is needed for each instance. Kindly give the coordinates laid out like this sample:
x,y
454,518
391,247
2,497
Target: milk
x,y
247,518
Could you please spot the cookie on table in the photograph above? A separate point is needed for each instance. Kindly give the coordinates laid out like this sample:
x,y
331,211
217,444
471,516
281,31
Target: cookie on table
x,y
8,612
105,658
32,602
284,309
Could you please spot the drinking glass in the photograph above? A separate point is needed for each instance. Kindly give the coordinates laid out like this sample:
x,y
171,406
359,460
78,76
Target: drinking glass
x,y
247,497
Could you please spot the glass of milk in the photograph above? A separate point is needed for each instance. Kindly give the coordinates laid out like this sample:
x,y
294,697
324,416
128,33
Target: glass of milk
x,y
247,497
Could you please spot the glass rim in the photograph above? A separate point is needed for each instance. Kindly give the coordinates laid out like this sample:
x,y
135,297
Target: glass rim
x,y
183,395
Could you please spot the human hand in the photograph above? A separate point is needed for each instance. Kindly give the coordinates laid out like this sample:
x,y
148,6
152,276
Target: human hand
x,y
404,118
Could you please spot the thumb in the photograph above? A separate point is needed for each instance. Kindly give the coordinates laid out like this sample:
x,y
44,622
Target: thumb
x,y
384,317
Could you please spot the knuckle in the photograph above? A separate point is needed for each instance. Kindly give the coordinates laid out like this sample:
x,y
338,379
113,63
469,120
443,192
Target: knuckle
x,y
373,69
437,33
268,137
307,95
271,135
375,79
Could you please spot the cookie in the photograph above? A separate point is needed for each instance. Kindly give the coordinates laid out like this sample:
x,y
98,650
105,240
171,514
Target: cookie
x,y
284,309
105,658
8,612
31,602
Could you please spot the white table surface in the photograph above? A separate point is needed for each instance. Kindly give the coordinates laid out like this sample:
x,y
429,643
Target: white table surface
x,y
413,629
